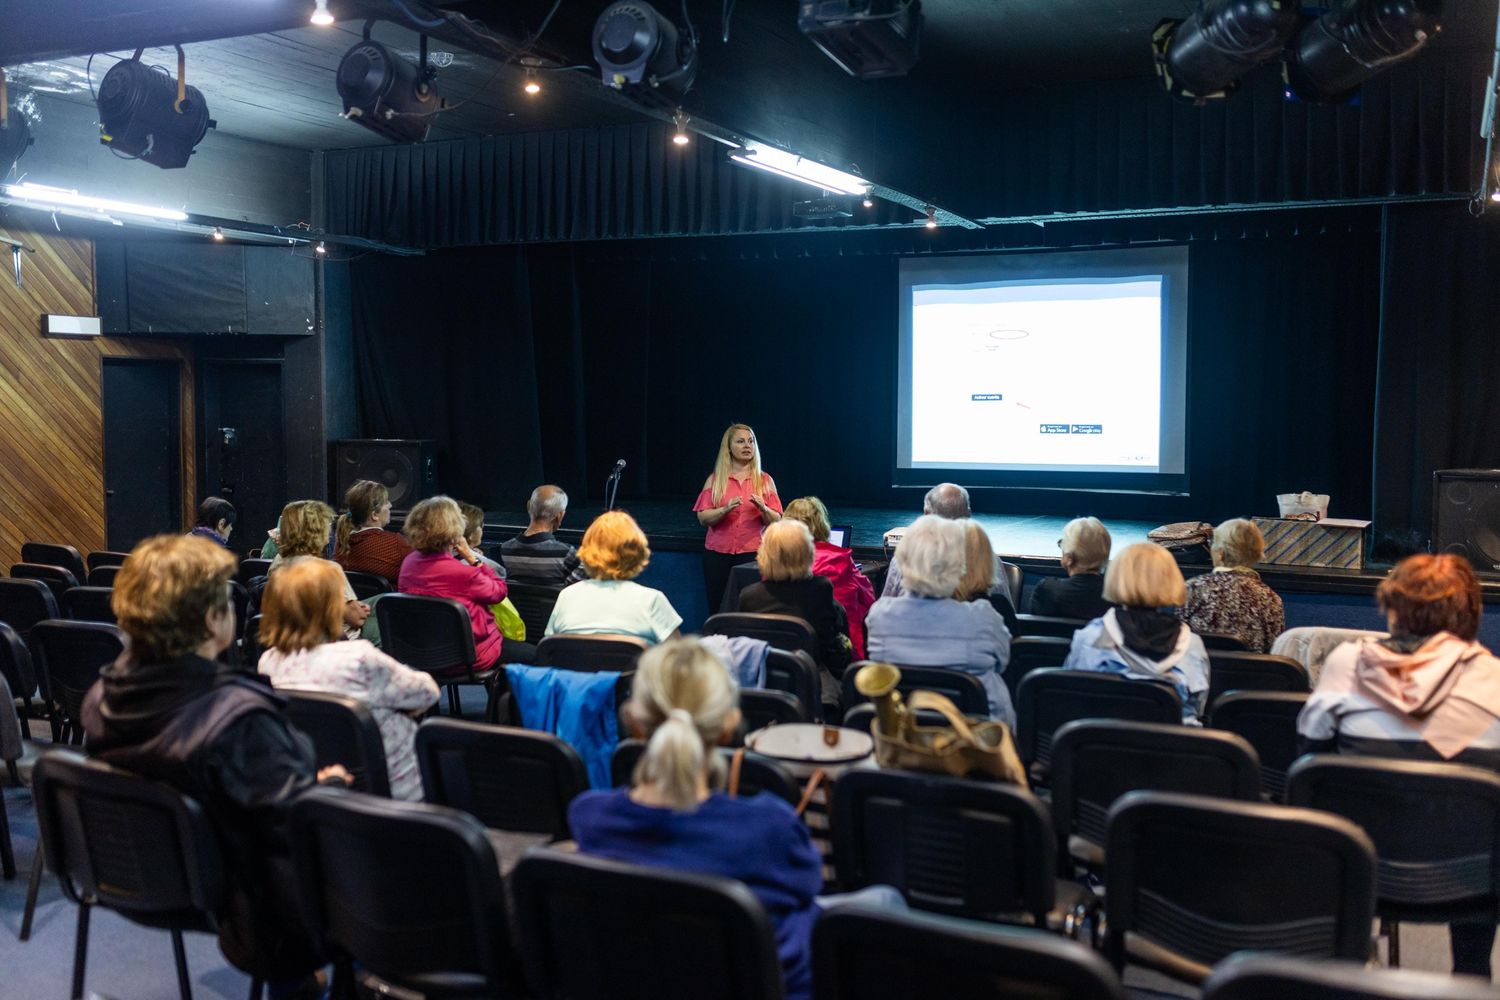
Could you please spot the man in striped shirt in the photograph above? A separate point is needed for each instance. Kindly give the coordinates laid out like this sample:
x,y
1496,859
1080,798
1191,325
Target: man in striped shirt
x,y
535,555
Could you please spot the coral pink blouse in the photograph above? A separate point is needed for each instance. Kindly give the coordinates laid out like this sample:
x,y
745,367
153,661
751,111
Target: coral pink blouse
x,y
740,529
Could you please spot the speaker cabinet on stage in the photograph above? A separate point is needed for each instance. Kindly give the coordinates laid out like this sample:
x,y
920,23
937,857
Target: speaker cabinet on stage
x,y
407,468
1466,515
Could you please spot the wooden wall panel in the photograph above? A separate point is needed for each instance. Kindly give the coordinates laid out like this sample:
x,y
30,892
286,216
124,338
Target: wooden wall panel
x,y
51,401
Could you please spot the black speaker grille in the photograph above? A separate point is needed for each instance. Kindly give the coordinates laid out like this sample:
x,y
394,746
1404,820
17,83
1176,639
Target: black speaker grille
x,y
403,467
1466,516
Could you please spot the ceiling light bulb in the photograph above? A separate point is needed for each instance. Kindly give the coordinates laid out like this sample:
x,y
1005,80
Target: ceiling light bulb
x,y
869,202
321,15
680,137
320,248
218,235
532,87
1495,196
931,217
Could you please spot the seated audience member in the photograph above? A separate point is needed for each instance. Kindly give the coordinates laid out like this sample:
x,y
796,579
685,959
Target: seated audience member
x,y
305,525
611,603
685,704
1137,638
926,627
978,583
1085,545
535,555
788,587
303,615
474,535
435,529
361,543
851,588
215,520
951,501
1429,692
1232,599
167,710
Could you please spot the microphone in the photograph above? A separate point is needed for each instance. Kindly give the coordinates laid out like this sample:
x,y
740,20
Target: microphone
x,y
620,464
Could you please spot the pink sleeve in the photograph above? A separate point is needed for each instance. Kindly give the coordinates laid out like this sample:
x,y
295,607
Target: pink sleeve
x,y
705,500
485,587
768,494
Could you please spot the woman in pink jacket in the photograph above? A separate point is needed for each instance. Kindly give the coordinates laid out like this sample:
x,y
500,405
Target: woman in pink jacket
x,y
851,587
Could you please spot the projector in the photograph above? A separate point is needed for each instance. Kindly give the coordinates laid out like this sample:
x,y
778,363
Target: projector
x,y
869,39
823,208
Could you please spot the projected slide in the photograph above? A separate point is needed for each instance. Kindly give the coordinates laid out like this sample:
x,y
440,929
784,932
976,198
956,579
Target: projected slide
x,y
1031,376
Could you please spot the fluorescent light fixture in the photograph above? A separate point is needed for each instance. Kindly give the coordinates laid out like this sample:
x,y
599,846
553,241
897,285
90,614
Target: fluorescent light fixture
x,y
797,168
44,197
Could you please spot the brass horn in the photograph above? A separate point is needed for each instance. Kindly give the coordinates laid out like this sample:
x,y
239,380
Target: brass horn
x,y
877,681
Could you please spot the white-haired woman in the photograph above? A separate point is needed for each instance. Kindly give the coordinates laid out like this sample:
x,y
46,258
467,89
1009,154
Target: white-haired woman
x,y
788,587
926,627
1233,600
1084,546
736,504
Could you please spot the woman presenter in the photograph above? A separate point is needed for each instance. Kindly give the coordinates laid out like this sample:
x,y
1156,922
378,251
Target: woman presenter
x,y
736,504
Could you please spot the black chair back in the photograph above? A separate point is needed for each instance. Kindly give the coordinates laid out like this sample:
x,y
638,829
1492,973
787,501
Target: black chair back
x,y
866,954
1050,699
796,673
769,708
1229,671
962,688
1436,829
861,717
966,848
250,646
519,780
69,656
1192,880
239,596
426,633
1034,652
1094,762
1222,642
1015,582
15,663
103,576
1274,977
100,558
88,604
343,731
252,567
1268,722
410,891
534,603
1001,602
57,579
367,585
781,631
577,942
25,602
590,652
1043,626
758,773
52,554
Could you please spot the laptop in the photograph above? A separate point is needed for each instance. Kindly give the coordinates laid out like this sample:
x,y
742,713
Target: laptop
x,y
841,535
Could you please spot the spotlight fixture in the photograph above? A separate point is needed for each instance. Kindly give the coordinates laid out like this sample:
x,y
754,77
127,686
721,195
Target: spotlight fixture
x,y
640,51
1203,57
63,200
868,202
1331,57
868,39
320,15
15,138
931,222
147,115
218,235
532,87
797,168
387,94
680,137
320,248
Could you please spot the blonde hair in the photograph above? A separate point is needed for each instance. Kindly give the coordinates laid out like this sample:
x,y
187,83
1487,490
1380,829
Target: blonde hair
x,y
362,499
434,524
719,481
304,528
811,512
979,563
164,592
473,522
1144,576
786,551
932,556
303,605
614,547
682,696
1087,540
1238,543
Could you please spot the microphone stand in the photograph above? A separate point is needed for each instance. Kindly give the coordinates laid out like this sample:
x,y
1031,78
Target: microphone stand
x,y
612,487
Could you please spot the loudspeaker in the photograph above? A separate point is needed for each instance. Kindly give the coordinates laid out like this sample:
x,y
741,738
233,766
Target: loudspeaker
x,y
1466,515
407,468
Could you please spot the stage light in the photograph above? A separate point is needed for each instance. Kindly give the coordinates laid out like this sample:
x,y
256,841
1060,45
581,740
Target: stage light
x,y
1204,56
931,222
639,49
1332,56
218,235
532,87
15,138
50,198
147,115
387,94
868,202
320,15
320,248
1495,196
794,167
680,137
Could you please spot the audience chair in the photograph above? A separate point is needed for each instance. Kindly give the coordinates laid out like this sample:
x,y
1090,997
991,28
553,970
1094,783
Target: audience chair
x,y
861,717
52,554
758,773
252,567
239,596
16,668
1436,828
534,602
103,576
69,656
781,631
88,604
56,578
1050,699
10,752
1033,652
1192,880
1219,641
768,708
585,924
343,731
590,652
1043,626
974,849
432,634
1001,602
411,892
130,845
24,602
1094,762
250,647
797,674
740,577
1268,722
1274,977
962,688
1015,582
1230,671
867,954
368,585
104,557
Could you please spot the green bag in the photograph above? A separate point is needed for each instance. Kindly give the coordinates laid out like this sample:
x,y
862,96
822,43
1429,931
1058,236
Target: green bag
x,y
509,620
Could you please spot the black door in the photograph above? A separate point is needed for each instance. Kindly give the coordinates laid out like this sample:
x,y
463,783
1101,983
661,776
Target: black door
x,y
142,451
244,444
